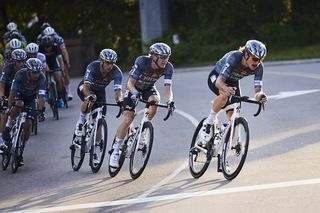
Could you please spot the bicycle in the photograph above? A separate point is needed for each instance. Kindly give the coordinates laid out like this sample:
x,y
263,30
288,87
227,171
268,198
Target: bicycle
x,y
94,139
53,94
137,144
229,143
17,141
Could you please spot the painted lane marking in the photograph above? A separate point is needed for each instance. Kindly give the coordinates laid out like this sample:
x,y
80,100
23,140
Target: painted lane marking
x,y
177,196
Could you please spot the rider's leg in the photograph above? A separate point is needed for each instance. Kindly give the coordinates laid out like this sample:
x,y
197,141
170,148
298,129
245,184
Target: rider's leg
x,y
153,109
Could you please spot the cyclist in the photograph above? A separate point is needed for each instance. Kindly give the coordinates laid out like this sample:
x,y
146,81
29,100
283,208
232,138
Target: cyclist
x,y
224,80
12,33
143,75
12,45
98,75
18,62
32,50
59,41
28,84
54,62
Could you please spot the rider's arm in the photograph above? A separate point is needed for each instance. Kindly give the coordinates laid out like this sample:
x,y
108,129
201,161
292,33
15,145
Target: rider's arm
x,y
131,85
223,88
65,56
61,63
86,89
168,94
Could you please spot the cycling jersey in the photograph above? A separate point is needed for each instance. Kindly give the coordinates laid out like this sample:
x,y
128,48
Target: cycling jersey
x,y
52,57
230,66
24,85
97,81
146,76
7,77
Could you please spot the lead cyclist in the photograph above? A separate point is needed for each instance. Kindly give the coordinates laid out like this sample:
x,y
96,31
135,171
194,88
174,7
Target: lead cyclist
x,y
224,80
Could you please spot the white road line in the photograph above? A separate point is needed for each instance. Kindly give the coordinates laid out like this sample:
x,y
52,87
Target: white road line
x,y
176,196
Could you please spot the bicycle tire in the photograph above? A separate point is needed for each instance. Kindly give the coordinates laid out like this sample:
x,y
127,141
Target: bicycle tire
x,y
145,151
112,170
34,127
240,149
54,100
102,146
77,153
6,156
18,150
64,97
195,153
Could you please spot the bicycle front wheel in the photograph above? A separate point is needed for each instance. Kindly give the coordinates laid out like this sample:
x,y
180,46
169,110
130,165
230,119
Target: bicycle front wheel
x,y
99,145
6,156
77,152
198,159
235,149
141,150
18,150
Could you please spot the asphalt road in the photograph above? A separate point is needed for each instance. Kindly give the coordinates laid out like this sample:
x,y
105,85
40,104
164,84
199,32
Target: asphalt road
x,y
281,173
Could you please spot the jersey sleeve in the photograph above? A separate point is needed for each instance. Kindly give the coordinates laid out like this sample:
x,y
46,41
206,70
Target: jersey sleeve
x,y
258,77
228,65
88,77
136,69
118,80
168,75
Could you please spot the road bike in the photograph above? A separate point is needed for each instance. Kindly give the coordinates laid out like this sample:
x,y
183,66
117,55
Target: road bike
x,y
16,142
93,140
229,143
137,144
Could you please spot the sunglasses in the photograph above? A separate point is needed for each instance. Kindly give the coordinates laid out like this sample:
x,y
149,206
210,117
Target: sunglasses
x,y
163,57
255,59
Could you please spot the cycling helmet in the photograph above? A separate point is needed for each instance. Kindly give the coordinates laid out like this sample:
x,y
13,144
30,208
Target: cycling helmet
x,y
32,48
47,41
34,65
11,26
256,48
108,55
160,49
19,55
14,44
45,25
48,31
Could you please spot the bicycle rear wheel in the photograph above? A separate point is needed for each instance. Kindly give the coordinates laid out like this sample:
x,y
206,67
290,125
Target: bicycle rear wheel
x,y
198,160
141,151
18,150
99,145
235,150
112,170
77,152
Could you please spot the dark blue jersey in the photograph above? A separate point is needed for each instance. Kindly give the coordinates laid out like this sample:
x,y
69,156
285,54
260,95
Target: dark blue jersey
x,y
230,66
99,82
52,57
24,85
146,76
7,77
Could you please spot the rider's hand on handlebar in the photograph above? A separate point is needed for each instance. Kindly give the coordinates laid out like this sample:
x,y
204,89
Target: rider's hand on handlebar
x,y
91,97
261,97
230,91
171,106
135,96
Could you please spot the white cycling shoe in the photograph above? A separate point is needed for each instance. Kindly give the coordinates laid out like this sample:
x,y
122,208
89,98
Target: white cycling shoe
x,y
205,134
114,159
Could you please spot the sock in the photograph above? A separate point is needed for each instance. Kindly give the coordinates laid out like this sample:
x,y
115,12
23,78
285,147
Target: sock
x,y
211,117
117,144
